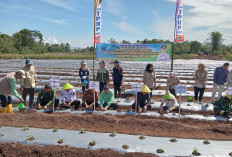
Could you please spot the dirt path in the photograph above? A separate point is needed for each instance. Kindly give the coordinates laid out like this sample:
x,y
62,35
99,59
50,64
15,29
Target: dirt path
x,y
147,125
16,149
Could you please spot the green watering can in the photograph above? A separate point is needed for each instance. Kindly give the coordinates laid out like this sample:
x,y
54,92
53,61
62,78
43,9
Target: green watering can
x,y
22,108
190,99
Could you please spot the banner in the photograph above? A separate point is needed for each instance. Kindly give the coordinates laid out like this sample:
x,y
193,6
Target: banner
x,y
179,32
97,20
134,52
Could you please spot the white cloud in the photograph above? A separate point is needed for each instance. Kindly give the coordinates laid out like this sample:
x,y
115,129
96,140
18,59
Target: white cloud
x,y
61,3
205,16
113,6
51,40
124,26
56,21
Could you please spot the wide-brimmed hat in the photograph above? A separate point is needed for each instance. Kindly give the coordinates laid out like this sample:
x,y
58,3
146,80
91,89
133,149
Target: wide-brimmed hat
x,y
22,73
145,89
168,95
67,86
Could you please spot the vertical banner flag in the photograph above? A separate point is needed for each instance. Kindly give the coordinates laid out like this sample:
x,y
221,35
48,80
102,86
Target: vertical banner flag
x,y
97,20
179,28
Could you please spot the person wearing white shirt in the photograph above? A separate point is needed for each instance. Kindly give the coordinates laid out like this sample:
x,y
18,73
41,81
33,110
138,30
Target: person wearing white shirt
x,y
163,56
169,104
68,97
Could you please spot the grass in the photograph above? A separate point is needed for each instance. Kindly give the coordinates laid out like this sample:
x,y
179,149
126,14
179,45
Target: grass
x,y
51,56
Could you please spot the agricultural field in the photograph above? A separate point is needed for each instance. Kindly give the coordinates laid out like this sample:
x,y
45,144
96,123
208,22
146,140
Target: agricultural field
x,y
122,132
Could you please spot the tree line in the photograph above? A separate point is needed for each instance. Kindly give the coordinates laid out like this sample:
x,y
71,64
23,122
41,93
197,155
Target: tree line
x,y
31,42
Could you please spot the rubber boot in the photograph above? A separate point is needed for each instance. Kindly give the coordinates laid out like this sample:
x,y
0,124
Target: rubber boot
x,y
4,110
9,108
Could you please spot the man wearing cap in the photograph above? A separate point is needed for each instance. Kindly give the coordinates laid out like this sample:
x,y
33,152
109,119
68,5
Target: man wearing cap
x,y
68,97
172,81
84,75
7,85
143,100
107,99
88,98
45,98
103,75
169,104
117,78
28,84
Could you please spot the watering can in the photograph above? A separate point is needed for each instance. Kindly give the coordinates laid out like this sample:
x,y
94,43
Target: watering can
x,y
22,108
190,99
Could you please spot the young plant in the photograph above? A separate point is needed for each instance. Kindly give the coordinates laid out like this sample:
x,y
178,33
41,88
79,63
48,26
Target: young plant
x,y
206,141
25,128
55,129
195,152
188,105
113,134
125,146
61,141
142,137
31,138
82,131
173,139
160,151
1,134
93,143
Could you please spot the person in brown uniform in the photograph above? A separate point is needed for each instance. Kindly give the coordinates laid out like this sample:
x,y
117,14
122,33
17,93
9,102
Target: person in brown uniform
x,y
7,85
28,84
88,98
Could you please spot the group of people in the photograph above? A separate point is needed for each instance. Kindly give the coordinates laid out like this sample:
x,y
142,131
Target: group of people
x,y
90,99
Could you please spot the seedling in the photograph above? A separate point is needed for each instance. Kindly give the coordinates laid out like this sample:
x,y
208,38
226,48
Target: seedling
x,y
142,137
93,143
230,154
207,105
173,139
125,146
61,141
206,141
1,134
160,151
113,134
31,138
195,152
82,131
55,129
25,128
188,105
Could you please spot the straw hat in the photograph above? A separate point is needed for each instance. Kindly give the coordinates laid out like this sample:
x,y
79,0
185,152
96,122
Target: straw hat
x,y
67,86
168,95
145,89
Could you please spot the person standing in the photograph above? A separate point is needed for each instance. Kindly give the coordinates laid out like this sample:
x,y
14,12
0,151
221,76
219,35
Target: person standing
x,y
84,75
229,79
117,78
200,82
149,77
103,75
28,84
172,81
219,80
7,85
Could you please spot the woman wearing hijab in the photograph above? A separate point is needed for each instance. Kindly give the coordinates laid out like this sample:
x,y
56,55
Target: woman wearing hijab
x,y
200,82
84,75
149,77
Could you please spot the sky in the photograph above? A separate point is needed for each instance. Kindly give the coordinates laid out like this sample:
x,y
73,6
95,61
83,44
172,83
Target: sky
x,y
71,21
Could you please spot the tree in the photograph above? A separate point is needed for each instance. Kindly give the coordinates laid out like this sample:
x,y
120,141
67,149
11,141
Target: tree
x,y
7,44
126,42
112,40
216,40
195,46
67,47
